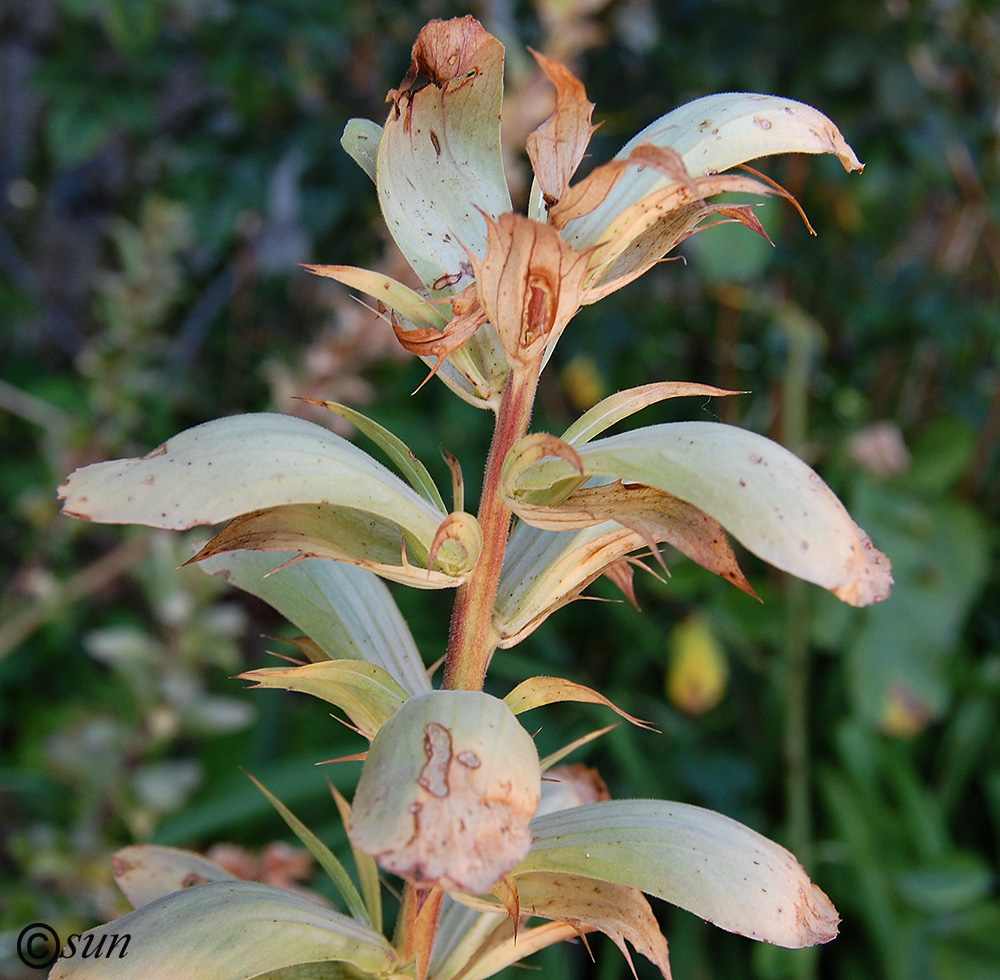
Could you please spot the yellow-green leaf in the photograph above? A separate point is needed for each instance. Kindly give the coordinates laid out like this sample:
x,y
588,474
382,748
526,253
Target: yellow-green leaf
x,y
366,693
537,691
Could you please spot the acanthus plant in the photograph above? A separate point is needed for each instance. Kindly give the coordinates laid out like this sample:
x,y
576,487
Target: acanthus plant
x,y
497,861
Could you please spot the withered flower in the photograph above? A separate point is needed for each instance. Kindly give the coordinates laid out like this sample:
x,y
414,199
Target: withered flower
x,y
438,168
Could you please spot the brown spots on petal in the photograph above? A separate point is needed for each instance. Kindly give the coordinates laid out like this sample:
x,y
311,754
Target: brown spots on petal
x,y
446,281
437,747
192,879
462,818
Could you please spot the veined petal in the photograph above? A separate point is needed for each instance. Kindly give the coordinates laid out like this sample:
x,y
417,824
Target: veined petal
x,y
545,570
385,290
538,691
446,793
622,404
146,872
345,534
619,911
367,694
713,134
402,457
472,368
439,159
655,515
644,232
360,140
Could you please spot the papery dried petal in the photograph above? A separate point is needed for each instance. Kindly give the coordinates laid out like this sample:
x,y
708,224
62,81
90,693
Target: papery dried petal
x,y
591,192
711,135
530,284
641,235
569,785
341,534
545,570
538,691
557,146
654,515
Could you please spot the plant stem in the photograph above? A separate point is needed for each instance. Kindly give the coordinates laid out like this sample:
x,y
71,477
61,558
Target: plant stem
x,y
418,922
803,340
473,638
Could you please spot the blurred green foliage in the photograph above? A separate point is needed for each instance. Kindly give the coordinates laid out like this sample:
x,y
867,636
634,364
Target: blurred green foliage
x,y
164,164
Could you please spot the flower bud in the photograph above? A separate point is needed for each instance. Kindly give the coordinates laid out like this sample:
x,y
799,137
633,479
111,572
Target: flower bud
x,y
449,786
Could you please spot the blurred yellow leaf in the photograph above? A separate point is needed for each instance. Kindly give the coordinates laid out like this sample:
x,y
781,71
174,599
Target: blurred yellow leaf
x,y
698,671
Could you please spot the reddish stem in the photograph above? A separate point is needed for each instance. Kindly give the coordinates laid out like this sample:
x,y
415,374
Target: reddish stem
x,y
418,922
473,637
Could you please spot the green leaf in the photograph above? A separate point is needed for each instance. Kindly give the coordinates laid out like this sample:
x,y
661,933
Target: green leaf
x,y
401,455
347,611
900,664
766,496
225,930
244,463
697,859
366,693
360,140
368,874
622,404
951,883
326,859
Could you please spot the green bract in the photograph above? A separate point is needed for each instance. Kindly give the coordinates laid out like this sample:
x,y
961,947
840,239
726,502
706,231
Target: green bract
x,y
447,790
